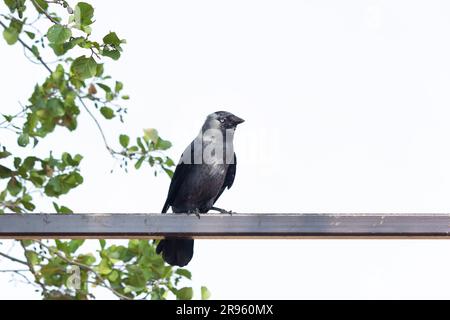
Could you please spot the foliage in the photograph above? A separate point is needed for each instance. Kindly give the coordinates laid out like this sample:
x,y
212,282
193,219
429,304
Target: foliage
x,y
78,83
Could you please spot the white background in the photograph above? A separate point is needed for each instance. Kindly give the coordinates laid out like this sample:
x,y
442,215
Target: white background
x,y
347,110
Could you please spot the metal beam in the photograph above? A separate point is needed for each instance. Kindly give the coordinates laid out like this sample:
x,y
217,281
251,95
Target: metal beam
x,y
271,226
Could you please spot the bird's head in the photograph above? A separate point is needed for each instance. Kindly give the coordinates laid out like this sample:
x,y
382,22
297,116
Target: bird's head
x,y
222,120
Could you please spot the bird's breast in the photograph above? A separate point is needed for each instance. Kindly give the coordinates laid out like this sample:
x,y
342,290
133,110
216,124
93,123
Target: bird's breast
x,y
202,187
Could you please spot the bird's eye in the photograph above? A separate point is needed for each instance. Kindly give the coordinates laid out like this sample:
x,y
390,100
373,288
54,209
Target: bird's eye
x,y
222,120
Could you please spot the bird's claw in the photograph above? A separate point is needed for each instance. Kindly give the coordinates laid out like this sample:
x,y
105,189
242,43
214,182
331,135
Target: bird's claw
x,y
228,212
223,211
196,212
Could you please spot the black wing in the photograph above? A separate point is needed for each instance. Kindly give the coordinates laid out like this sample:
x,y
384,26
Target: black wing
x,y
178,177
229,178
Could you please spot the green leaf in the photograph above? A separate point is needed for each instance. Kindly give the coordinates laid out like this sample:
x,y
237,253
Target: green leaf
x,y
77,159
11,35
30,35
35,51
14,186
136,277
65,210
107,112
140,144
73,245
113,54
23,140
109,96
17,161
124,140
62,48
104,87
102,243
40,5
163,144
133,149
68,160
184,272
84,68
169,162
84,13
113,276
8,118
56,107
62,209
27,243
168,172
112,39
185,293
32,257
206,294
62,245
18,5
29,162
151,135
118,87
87,259
4,154
12,4
37,179
104,268
139,162
100,70
58,34
62,184
28,205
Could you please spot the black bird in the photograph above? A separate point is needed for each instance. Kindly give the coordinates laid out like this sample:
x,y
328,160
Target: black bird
x,y
206,168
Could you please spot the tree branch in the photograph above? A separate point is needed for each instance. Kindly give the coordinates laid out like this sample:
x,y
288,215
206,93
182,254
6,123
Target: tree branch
x,y
110,150
14,270
105,141
43,11
33,271
13,259
19,273
29,49
26,263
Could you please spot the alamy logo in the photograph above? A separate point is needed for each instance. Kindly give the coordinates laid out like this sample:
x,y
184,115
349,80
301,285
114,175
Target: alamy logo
x,y
211,147
74,280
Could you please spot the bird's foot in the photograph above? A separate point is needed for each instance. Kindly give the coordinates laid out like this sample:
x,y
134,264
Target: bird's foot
x,y
195,211
223,211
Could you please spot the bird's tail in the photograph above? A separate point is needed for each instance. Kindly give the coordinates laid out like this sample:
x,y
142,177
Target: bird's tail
x,y
176,251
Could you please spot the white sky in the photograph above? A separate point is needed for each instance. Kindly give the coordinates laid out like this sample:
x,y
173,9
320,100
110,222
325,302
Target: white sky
x,y
347,110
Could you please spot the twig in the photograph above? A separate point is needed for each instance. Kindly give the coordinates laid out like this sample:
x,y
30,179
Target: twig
x,y
14,116
13,259
33,271
110,150
93,53
28,281
17,270
26,263
49,17
28,48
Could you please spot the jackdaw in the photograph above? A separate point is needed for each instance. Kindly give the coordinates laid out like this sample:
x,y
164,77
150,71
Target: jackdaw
x,y
206,168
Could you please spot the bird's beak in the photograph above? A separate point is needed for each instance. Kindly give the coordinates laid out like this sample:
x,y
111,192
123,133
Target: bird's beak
x,y
236,119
